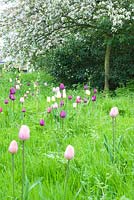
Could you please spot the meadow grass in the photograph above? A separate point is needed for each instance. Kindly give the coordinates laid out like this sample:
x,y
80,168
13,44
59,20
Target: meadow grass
x,y
88,128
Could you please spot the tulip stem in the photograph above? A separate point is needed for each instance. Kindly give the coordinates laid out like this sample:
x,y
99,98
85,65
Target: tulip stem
x,y
13,176
66,179
62,124
113,127
23,169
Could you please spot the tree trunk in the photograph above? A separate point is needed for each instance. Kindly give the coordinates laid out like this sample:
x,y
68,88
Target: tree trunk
x,y
107,66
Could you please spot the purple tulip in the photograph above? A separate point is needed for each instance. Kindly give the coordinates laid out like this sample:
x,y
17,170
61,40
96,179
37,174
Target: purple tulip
x,y
62,114
6,101
94,98
12,97
95,90
61,103
23,110
12,90
42,122
62,87
70,97
85,87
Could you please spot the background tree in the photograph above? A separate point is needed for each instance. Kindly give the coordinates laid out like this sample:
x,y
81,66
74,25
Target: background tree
x,y
33,26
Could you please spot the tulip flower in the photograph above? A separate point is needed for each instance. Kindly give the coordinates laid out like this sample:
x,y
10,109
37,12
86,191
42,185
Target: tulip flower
x,y
1,110
62,87
61,103
88,92
69,155
70,97
114,113
6,101
12,97
57,89
95,90
85,100
22,100
64,95
85,87
53,98
49,109
23,110
58,95
13,148
42,122
62,114
17,87
12,90
55,105
74,105
24,134
78,99
48,99
94,98
69,152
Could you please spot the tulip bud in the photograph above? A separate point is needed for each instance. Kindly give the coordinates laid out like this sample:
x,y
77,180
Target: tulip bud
x,y
13,147
69,153
114,112
24,133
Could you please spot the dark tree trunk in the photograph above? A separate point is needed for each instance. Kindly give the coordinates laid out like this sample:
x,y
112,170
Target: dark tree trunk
x,y
107,66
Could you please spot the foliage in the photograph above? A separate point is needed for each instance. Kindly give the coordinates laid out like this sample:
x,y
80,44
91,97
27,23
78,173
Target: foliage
x,y
81,60
77,61
29,27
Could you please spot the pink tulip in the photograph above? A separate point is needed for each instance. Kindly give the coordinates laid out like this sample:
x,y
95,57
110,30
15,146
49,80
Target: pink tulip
x,y
13,147
1,110
114,112
49,109
24,133
69,153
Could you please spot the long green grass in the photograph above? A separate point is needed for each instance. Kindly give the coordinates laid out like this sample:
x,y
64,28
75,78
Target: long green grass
x,y
93,175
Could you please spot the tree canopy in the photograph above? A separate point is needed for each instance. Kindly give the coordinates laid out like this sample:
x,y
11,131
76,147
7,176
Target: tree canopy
x,y
30,27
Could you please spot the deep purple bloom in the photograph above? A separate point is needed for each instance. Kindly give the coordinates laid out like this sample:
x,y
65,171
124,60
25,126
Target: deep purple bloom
x,y
70,97
6,101
62,87
94,98
61,103
95,90
23,110
85,87
62,114
42,122
12,97
12,90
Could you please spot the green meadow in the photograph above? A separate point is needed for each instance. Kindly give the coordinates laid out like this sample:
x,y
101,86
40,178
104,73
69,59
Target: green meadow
x,y
93,174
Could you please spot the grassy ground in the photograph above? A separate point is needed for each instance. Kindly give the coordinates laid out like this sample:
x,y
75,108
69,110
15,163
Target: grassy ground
x,y
93,175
